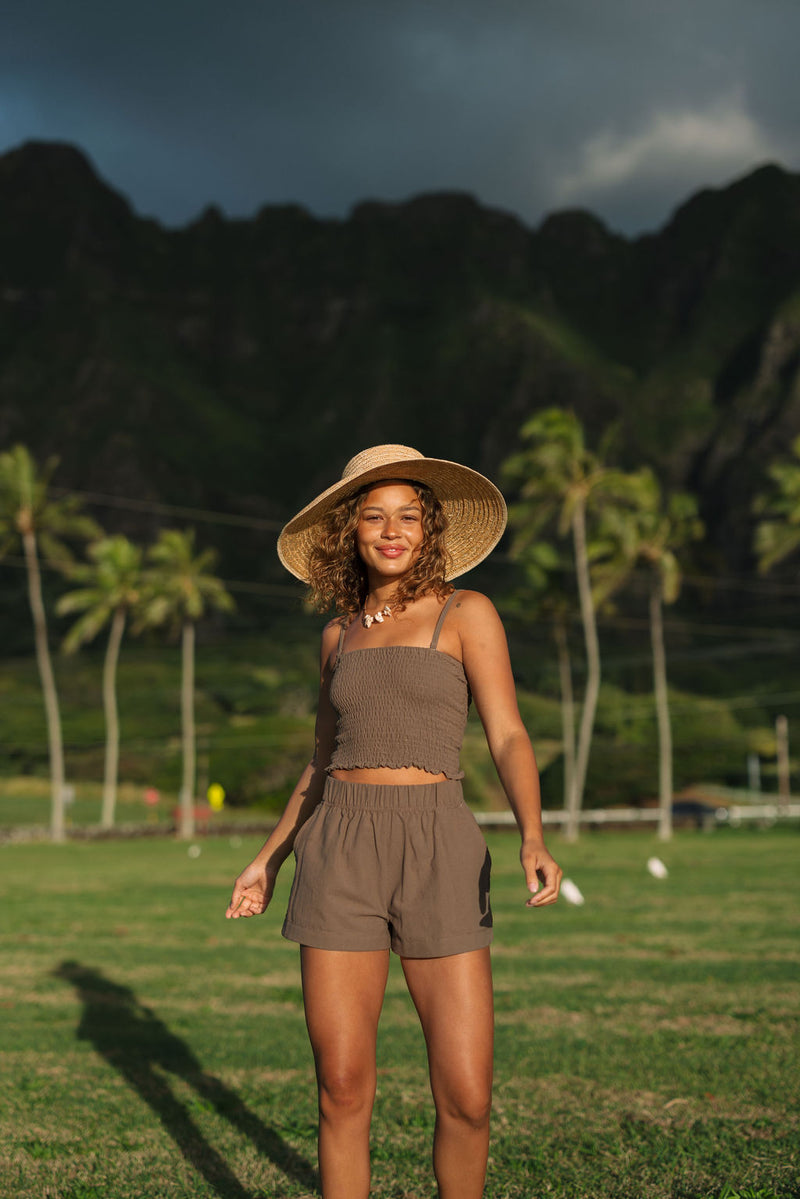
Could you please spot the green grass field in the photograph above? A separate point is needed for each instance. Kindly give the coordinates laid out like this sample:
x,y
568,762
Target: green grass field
x,y
646,1042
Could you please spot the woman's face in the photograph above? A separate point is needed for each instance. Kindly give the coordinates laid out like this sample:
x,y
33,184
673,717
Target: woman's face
x,y
389,533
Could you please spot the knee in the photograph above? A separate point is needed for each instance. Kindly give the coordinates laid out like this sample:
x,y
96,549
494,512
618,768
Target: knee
x,y
467,1106
345,1092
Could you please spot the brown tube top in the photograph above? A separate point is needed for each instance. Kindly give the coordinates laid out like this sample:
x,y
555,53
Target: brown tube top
x,y
399,706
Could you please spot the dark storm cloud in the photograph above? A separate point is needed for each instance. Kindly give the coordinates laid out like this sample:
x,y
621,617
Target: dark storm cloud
x,y
622,106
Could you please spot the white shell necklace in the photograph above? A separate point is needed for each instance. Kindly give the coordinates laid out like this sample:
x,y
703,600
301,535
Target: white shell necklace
x,y
377,618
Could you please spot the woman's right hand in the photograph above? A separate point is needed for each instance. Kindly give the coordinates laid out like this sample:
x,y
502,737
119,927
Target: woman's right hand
x,y
252,891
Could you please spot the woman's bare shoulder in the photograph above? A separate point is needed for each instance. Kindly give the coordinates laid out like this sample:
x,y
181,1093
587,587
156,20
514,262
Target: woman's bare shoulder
x,y
330,638
475,616
475,605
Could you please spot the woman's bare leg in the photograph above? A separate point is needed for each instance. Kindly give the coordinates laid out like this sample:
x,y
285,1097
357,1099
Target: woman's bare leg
x,y
343,995
453,996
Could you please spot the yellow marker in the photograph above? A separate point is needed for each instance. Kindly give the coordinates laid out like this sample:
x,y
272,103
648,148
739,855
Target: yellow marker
x,y
216,796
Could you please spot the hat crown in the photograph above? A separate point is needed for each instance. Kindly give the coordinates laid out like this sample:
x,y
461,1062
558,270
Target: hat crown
x,y
378,455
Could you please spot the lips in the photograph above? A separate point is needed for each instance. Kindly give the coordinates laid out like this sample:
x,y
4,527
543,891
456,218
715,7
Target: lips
x,y
391,551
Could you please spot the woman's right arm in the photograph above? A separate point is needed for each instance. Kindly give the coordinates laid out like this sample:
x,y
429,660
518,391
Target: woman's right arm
x,y
253,888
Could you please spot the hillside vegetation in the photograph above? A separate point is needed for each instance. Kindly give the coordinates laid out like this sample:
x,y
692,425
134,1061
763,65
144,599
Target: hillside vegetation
x,y
220,374
255,705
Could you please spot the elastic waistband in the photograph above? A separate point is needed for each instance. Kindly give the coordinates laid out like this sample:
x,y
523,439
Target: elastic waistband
x,y
384,796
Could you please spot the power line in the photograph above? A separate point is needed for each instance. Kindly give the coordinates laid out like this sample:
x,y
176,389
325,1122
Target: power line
x,y
209,516
778,637
725,582
217,516
767,587
62,568
686,626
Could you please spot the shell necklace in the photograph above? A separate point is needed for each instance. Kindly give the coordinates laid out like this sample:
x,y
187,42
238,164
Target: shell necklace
x,y
377,618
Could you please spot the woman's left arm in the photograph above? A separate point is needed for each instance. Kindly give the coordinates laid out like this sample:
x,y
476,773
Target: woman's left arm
x,y
487,665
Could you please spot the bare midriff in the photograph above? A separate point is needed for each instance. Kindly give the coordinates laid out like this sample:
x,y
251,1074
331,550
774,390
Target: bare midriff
x,y
389,776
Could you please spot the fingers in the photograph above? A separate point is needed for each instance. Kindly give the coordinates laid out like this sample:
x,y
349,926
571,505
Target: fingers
x,y
242,904
250,898
547,876
233,911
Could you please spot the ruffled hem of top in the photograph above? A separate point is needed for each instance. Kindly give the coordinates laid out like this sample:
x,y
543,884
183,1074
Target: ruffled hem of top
x,y
392,766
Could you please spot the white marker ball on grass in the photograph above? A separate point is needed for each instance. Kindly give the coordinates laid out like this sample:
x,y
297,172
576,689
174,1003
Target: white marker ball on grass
x,y
571,892
657,868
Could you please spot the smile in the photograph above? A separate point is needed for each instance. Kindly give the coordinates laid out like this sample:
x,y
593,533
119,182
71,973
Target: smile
x,y
391,551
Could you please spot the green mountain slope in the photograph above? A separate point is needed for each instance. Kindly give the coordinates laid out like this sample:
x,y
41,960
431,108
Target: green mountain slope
x,y
236,365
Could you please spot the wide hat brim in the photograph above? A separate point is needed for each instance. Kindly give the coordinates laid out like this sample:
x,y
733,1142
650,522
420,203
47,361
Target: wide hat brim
x,y
475,509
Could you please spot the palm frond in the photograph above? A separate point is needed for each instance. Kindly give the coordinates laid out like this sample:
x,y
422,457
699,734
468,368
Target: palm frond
x,y
86,629
778,534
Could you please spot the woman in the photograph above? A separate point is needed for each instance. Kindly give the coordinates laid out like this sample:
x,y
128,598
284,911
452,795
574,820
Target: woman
x,y
388,856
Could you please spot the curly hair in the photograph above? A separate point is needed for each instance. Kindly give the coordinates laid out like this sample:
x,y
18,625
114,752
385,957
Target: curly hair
x,y
336,575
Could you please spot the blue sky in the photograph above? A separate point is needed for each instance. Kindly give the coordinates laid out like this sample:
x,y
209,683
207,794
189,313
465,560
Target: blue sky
x,y
624,107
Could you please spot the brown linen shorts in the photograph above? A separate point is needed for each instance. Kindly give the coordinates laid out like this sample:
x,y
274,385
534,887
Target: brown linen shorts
x,y
381,867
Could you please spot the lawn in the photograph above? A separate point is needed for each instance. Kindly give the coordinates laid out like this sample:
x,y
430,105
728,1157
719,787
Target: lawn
x,y
646,1041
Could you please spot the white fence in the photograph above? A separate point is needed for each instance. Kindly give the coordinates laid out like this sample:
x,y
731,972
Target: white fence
x,y
706,815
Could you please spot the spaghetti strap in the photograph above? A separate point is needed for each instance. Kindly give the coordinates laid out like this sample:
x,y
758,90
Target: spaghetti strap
x,y
342,632
440,621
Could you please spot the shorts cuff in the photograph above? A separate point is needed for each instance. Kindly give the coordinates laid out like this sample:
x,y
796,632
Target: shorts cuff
x,y
447,947
317,939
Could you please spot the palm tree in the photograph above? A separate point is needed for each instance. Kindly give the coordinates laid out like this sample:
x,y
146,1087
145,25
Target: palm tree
x,y
112,587
544,597
28,514
778,533
560,478
178,590
649,532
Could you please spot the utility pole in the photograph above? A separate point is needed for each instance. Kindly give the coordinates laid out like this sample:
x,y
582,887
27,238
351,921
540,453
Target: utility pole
x,y
782,741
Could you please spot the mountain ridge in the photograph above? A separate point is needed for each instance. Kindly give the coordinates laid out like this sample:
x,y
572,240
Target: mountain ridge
x,y
236,364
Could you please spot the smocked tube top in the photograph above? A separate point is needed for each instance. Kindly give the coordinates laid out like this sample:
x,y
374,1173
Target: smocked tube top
x,y
399,706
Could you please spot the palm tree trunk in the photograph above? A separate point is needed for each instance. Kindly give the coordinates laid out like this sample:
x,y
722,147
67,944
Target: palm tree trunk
x,y
186,829
567,708
112,718
592,670
662,713
55,744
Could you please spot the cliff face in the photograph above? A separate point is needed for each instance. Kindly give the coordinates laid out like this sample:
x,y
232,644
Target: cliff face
x,y
237,365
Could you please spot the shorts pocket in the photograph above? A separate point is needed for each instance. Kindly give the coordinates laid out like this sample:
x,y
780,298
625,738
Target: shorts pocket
x,y
475,832
305,830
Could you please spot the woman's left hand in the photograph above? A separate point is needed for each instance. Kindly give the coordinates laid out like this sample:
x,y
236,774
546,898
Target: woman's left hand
x,y
542,874
252,891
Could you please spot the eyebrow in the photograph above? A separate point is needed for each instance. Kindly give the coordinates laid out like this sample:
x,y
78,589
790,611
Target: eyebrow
x,y
413,506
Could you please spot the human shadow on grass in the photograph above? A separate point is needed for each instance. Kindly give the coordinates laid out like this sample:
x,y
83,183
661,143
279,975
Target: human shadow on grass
x,y
135,1042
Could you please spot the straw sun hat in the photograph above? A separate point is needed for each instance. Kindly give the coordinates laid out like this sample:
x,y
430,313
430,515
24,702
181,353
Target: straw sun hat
x,y
475,509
